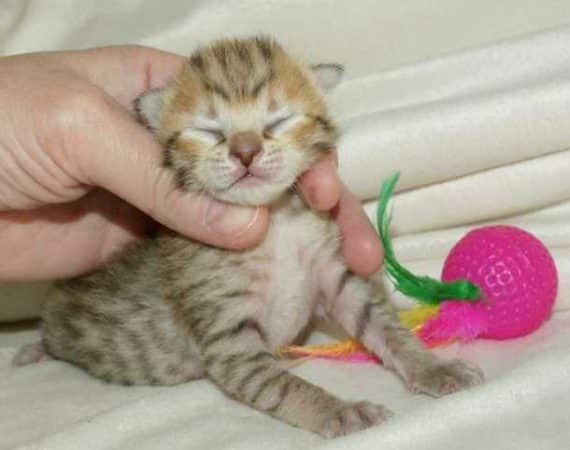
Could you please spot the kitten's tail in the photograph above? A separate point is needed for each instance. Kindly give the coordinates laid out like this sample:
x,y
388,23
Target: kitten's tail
x,y
31,354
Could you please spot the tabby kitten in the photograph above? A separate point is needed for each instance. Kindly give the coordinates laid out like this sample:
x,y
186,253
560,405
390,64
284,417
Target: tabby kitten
x,y
240,122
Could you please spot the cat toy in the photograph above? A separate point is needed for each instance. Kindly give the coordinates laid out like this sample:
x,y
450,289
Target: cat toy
x,y
498,282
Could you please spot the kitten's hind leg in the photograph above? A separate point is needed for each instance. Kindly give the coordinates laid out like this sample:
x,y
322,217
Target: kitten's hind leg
x,y
238,360
360,307
31,354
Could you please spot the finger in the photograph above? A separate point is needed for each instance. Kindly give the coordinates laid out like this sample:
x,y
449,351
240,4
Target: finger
x,y
128,163
320,185
67,239
360,246
124,72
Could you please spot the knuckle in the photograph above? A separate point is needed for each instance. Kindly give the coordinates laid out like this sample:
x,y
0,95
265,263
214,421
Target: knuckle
x,y
77,117
79,106
135,48
131,52
134,53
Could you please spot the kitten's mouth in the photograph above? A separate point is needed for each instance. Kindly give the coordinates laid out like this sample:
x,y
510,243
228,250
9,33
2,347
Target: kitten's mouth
x,y
252,186
248,180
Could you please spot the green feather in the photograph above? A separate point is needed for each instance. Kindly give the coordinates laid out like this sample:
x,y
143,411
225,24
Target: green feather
x,y
425,289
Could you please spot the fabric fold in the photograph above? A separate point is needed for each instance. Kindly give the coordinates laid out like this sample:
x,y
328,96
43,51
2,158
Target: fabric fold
x,y
482,123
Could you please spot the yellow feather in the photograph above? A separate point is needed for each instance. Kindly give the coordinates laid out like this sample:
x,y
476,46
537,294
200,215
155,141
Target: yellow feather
x,y
412,319
415,318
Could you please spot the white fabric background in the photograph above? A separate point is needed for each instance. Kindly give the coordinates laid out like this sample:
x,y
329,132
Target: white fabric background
x,y
480,135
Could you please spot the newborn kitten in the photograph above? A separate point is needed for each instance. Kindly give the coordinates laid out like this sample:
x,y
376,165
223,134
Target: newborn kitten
x,y
240,122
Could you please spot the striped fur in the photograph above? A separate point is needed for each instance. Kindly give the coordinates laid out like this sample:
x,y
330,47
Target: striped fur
x,y
169,310
248,85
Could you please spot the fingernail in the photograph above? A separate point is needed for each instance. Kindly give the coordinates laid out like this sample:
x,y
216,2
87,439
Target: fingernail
x,y
335,160
229,220
311,193
328,162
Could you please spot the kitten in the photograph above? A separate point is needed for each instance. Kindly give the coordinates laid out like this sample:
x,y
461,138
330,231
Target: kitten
x,y
240,122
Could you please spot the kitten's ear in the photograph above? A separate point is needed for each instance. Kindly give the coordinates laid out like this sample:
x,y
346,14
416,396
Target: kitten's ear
x,y
149,107
327,75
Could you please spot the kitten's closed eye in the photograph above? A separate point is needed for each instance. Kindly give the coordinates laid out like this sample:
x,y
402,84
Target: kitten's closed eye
x,y
207,135
280,123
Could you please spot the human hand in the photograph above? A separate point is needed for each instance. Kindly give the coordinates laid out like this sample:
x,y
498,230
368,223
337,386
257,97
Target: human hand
x,y
73,160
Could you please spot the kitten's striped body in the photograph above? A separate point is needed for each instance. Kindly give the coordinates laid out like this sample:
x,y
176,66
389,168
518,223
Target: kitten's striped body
x,y
170,309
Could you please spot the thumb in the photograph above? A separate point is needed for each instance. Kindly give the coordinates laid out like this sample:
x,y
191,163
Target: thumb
x,y
118,154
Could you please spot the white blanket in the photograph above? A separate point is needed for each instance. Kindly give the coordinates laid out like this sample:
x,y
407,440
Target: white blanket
x,y
480,135
523,405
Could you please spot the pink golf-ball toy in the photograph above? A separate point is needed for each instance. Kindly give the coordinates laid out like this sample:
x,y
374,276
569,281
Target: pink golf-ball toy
x,y
516,274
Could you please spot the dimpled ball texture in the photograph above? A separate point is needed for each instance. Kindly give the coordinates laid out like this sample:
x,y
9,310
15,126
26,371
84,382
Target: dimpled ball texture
x,y
516,274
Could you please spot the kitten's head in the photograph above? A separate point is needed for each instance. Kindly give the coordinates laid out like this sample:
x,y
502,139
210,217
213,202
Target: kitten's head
x,y
242,120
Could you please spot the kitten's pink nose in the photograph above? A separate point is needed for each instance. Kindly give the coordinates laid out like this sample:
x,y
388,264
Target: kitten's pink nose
x,y
245,146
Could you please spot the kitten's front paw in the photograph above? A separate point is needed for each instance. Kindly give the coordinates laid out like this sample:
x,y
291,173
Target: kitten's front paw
x,y
354,417
445,377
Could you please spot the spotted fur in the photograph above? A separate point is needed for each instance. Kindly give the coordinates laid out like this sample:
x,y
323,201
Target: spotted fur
x,y
170,310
